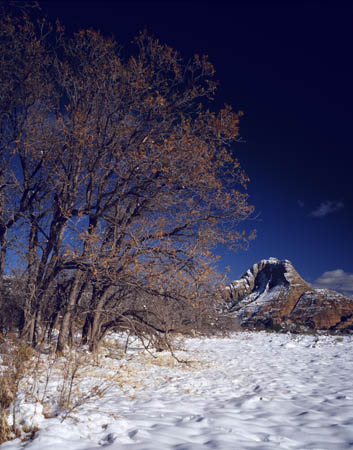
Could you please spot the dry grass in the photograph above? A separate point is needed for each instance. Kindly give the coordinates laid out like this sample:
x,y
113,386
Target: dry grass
x,y
15,357
62,384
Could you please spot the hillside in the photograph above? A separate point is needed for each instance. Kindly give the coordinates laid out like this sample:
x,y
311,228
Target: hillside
x,y
273,295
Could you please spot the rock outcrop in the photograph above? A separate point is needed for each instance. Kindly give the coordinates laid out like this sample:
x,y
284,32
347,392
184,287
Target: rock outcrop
x,y
273,295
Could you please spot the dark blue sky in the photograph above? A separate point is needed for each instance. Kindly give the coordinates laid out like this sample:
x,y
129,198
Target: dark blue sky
x,y
289,68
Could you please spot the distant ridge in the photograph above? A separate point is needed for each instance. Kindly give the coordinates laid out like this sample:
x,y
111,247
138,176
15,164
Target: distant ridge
x,y
273,295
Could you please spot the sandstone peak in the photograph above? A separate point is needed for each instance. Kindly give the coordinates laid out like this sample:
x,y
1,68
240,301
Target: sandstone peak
x,y
272,294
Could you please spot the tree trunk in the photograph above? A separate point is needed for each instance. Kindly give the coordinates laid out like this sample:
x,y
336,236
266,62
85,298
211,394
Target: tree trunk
x,y
95,333
2,249
96,321
2,270
54,321
87,329
63,338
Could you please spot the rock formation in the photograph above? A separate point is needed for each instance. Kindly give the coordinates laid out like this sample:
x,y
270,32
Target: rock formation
x,y
273,295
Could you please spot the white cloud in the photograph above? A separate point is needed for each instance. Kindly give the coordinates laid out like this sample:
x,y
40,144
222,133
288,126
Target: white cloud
x,y
327,207
338,280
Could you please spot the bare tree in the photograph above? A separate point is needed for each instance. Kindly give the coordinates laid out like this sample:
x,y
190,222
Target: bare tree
x,y
121,180
27,98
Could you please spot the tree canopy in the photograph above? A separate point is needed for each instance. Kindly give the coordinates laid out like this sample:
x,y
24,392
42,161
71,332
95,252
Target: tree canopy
x,y
117,182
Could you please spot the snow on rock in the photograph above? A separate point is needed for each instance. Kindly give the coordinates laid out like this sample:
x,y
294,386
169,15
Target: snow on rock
x,y
272,294
260,391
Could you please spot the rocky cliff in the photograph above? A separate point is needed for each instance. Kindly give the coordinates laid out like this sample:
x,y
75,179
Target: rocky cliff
x,y
273,295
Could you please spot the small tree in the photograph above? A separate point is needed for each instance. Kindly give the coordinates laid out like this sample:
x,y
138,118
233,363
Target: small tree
x,y
118,177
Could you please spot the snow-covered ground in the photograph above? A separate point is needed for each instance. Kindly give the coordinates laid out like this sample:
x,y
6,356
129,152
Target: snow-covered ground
x,y
251,391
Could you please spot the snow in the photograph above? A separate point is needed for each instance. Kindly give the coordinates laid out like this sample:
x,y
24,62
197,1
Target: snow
x,y
245,281
249,391
271,260
255,302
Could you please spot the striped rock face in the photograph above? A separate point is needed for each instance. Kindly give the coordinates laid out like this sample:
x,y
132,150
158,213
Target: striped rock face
x,y
273,295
